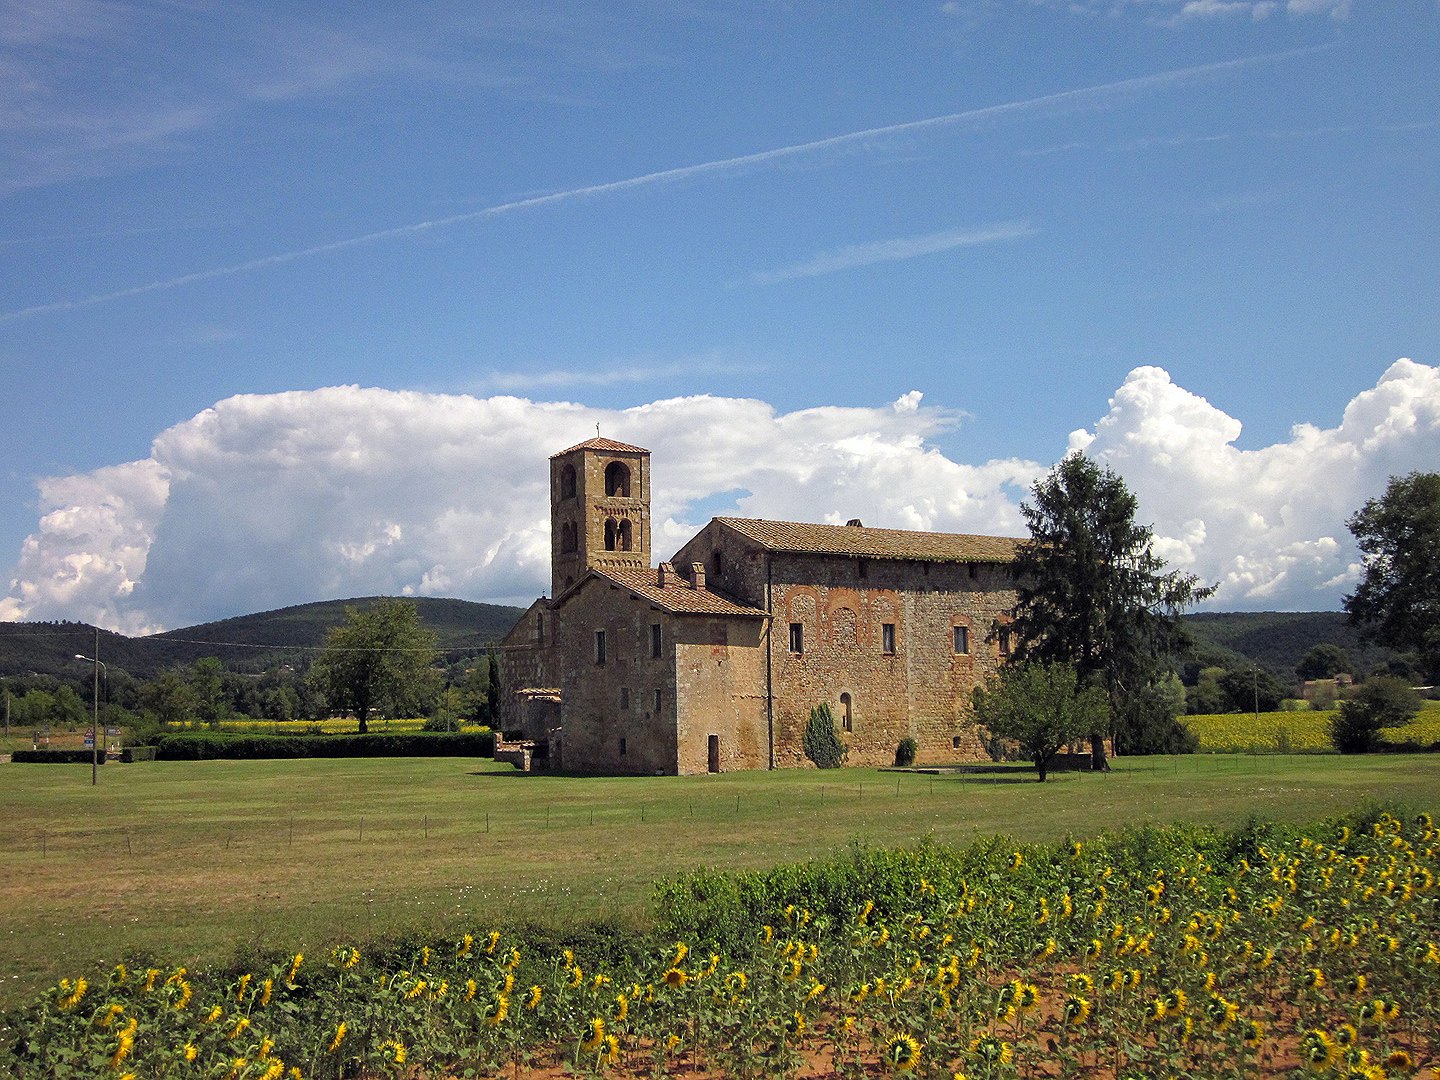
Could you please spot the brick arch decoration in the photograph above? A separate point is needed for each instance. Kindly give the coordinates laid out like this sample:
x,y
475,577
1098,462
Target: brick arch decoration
x,y
884,606
801,603
841,599
843,625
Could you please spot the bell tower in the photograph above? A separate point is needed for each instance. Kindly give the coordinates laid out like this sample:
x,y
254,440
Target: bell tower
x,y
599,510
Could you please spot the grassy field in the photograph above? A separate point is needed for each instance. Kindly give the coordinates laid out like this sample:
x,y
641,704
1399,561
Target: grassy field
x,y
190,861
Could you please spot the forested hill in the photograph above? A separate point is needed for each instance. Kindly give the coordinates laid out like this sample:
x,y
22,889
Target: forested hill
x,y
247,643
1276,640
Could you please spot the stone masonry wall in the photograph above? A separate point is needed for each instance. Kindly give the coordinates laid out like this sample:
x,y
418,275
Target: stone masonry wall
x,y
527,660
604,704
720,680
922,688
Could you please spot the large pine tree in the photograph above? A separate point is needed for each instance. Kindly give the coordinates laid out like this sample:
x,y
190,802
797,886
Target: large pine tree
x,y
1092,593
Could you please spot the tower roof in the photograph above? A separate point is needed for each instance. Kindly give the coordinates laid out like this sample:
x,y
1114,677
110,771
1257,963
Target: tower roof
x,y
603,444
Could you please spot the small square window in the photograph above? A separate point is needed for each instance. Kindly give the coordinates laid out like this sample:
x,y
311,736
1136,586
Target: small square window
x,y
599,646
962,640
655,641
887,638
797,637
624,697
955,742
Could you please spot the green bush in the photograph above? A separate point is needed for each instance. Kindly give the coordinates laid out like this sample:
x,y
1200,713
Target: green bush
x,y
56,757
905,752
1380,702
821,742
204,747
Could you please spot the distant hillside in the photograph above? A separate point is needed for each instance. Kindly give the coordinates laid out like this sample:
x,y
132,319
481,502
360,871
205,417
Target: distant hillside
x,y
1276,640
247,643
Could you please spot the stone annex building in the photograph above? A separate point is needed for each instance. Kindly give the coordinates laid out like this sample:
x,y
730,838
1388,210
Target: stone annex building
x,y
713,661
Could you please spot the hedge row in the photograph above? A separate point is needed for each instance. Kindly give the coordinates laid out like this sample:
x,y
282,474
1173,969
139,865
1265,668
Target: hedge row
x,y
204,747
56,757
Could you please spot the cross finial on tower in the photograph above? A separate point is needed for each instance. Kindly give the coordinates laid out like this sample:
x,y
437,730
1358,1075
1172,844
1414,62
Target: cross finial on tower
x,y
597,430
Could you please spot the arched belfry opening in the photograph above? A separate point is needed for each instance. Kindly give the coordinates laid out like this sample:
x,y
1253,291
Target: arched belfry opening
x,y
617,480
618,534
600,510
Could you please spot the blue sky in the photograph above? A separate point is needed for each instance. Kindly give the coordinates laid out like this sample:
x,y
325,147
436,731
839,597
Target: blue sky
x,y
1241,194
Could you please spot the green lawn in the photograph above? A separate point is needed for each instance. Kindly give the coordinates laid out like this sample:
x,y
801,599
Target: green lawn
x,y
189,861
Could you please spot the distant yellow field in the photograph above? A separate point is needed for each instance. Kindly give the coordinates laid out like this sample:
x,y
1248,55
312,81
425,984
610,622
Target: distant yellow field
x,y
1293,731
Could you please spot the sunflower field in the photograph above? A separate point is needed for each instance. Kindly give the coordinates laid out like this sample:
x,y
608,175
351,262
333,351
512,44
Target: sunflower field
x,y
1293,732
1179,953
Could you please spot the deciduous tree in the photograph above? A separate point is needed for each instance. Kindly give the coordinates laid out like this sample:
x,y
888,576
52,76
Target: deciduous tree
x,y
1042,707
1092,593
1324,661
1398,601
1381,702
381,659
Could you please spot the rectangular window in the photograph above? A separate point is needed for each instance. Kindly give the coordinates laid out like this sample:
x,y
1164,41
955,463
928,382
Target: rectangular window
x,y
657,701
962,640
862,568
1004,641
622,747
797,637
599,646
540,629
624,697
655,640
887,638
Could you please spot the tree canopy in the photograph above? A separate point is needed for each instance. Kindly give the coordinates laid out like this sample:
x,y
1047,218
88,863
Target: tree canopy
x,y
1381,702
1091,592
381,659
1042,707
1398,601
1324,661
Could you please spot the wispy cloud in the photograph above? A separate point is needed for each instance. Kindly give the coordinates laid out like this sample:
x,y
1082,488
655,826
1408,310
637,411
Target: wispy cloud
x,y
907,247
1047,104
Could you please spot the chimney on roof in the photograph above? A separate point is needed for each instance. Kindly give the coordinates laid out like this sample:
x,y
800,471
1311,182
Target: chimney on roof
x,y
697,575
856,522
666,577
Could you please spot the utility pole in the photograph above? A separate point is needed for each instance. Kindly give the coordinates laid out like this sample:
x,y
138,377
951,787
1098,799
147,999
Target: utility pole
x,y
98,736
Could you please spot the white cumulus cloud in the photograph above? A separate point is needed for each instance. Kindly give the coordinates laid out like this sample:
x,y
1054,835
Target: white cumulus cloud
x,y
1267,525
269,500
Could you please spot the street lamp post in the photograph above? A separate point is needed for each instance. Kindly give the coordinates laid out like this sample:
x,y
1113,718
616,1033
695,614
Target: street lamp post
x,y
95,700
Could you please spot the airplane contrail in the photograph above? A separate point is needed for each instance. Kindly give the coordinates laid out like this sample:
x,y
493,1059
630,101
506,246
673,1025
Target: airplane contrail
x,y
1064,99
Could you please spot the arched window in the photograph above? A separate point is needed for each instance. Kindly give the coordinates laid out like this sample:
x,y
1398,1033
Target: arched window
x,y
617,480
610,534
569,537
622,533
847,720
567,481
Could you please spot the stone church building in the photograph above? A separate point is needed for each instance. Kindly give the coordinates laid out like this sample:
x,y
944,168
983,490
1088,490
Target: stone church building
x,y
713,661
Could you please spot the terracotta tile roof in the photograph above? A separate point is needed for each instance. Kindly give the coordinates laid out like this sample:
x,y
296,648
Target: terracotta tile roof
x,y
603,444
875,543
679,599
